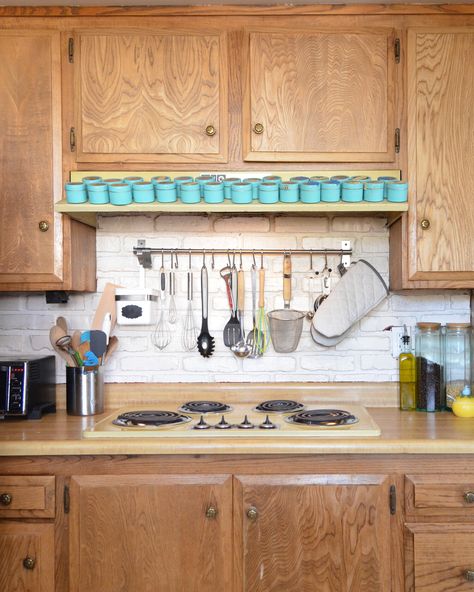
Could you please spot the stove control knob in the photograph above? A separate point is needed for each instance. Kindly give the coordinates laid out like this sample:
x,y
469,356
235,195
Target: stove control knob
x,y
267,424
211,512
202,424
223,425
252,513
246,424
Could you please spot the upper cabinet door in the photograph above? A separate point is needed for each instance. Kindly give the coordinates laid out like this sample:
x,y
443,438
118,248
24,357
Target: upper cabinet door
x,y
320,96
151,96
441,155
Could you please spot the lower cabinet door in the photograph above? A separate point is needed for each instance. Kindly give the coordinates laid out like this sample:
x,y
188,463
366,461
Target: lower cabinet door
x,y
325,533
150,533
26,557
439,557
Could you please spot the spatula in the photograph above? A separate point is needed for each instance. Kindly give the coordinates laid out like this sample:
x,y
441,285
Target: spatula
x,y
232,330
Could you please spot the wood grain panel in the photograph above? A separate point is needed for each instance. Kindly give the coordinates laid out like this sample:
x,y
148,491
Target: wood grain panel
x,y
291,546
441,152
32,496
321,96
438,557
30,119
18,541
162,537
439,497
143,94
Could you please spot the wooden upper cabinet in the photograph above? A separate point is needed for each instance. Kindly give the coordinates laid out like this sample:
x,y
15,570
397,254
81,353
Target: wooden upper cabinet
x,y
151,96
321,95
171,533
441,155
306,533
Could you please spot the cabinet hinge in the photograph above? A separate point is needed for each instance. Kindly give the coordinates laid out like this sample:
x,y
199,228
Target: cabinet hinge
x,y
396,49
70,50
397,140
66,499
72,139
393,499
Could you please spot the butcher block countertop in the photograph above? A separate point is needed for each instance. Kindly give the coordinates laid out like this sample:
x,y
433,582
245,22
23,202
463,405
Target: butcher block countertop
x,y
401,432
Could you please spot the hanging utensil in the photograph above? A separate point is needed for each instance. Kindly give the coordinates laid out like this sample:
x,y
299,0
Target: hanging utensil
x,y
161,336
252,336
262,323
172,314
56,333
285,324
205,341
61,322
64,342
190,329
241,349
232,330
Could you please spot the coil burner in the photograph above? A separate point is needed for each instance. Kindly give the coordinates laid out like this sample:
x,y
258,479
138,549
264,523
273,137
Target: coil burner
x,y
203,407
323,418
150,418
279,406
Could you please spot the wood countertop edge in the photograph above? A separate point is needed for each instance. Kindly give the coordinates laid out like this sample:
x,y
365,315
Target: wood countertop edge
x,y
126,446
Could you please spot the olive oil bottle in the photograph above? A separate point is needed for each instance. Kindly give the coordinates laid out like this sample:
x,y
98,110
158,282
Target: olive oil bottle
x,y
407,375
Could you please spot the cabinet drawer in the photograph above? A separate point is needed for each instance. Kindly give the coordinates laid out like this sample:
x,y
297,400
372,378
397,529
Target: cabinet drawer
x,y
22,496
439,557
437,495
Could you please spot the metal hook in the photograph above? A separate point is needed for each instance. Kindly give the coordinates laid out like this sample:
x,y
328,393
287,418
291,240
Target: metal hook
x,y
162,258
311,260
212,261
240,259
189,260
233,259
261,260
176,259
204,258
228,258
253,257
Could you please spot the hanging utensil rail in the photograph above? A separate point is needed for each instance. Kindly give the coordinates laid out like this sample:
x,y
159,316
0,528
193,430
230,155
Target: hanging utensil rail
x,y
144,253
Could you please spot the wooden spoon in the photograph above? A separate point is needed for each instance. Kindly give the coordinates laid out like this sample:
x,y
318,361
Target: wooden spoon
x,y
111,348
61,322
54,334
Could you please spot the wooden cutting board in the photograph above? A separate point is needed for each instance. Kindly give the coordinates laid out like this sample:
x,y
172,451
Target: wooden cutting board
x,y
106,304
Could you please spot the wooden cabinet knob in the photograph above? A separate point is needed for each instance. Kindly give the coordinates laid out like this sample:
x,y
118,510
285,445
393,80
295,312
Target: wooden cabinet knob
x,y
29,562
5,499
43,226
252,513
425,224
211,512
258,128
469,497
210,130
469,575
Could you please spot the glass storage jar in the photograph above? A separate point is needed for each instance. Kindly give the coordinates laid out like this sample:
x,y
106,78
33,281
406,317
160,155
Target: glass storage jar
x,y
430,395
457,359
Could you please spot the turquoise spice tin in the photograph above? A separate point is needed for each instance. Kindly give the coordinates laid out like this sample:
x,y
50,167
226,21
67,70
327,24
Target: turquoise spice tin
x,y
120,194
340,178
227,186
202,180
272,179
112,180
373,191
362,178
213,192
352,191
319,178
241,193
180,181
143,192
268,192
89,180
165,191
190,193
330,191
289,192
98,193
132,180
299,180
159,179
310,192
386,180
255,183
397,191
76,192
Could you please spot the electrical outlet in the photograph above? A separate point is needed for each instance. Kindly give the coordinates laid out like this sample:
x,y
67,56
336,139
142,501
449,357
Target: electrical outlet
x,y
397,342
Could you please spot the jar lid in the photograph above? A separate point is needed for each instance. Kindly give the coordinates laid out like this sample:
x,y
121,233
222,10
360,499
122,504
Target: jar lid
x,y
184,179
330,184
340,178
92,179
142,185
213,185
75,184
373,184
190,185
398,185
97,186
165,185
319,178
458,325
428,325
268,185
387,178
253,180
241,185
231,180
288,185
352,185
301,178
119,187
361,178
309,185
133,179
112,180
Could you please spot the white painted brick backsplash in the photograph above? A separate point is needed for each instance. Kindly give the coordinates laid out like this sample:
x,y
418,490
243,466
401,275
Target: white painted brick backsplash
x,y
365,355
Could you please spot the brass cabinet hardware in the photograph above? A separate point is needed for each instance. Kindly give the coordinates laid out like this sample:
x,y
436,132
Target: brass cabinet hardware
x,y
258,128
397,140
469,575
70,50
393,499
43,226
252,513
72,139
469,497
5,499
425,224
211,512
396,49
211,130
29,562
66,499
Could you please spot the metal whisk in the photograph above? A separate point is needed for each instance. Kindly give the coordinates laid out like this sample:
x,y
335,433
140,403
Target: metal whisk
x,y
162,336
190,328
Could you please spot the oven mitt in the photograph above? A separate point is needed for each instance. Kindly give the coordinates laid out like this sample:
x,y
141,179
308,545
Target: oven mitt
x,y
359,290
